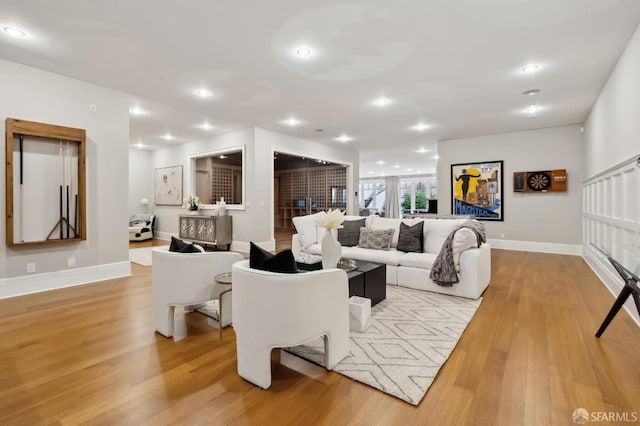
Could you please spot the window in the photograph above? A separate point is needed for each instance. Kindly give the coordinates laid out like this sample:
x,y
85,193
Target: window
x,y
415,193
372,196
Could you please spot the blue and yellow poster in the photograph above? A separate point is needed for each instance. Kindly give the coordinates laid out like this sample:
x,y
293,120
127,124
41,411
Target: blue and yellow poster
x,y
476,189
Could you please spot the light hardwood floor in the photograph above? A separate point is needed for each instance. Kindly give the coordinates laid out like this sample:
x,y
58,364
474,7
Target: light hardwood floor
x,y
89,355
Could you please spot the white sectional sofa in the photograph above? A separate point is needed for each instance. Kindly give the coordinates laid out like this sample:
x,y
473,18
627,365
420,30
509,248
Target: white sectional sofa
x,y
411,269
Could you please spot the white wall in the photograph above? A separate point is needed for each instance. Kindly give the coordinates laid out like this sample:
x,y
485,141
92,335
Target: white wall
x,y
255,222
552,217
612,130
140,181
167,216
612,137
36,95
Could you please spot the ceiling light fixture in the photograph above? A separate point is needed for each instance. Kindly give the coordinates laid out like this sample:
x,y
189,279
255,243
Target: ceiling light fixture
x,y
532,110
168,137
291,122
344,138
136,111
139,144
380,162
222,157
14,32
436,157
397,166
527,69
206,126
381,102
303,52
422,150
420,127
531,92
203,93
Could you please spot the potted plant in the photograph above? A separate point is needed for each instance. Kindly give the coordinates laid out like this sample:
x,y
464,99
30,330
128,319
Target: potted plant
x,y
191,204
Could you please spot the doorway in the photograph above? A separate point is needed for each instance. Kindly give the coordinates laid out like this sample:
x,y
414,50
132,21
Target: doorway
x,y
303,186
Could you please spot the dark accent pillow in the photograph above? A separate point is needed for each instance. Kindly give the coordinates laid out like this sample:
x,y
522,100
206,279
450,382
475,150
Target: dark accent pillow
x,y
283,262
180,246
410,238
349,235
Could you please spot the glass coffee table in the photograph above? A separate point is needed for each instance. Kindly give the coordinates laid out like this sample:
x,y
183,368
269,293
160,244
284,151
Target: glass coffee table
x,y
213,308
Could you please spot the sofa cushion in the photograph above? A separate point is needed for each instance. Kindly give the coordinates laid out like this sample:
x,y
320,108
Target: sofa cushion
x,y
282,262
436,232
389,257
417,260
410,238
376,239
179,246
349,235
307,229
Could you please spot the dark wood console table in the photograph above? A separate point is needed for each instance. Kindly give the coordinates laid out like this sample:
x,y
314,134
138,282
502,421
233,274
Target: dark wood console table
x,y
630,289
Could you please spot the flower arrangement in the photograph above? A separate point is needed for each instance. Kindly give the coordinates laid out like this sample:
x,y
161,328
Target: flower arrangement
x,y
330,219
191,203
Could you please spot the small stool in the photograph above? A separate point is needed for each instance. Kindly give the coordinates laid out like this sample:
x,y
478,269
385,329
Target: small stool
x,y
359,313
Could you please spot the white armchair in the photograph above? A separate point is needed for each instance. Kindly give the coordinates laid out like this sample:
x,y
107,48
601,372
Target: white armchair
x,y
187,279
273,310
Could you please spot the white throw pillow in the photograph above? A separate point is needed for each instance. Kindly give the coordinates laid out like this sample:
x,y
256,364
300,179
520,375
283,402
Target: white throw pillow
x,y
437,231
306,227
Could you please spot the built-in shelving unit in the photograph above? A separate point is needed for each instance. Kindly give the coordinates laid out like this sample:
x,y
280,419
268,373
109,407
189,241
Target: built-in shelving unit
x,y
309,190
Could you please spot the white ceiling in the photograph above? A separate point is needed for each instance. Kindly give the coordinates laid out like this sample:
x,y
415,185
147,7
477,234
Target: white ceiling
x,y
454,65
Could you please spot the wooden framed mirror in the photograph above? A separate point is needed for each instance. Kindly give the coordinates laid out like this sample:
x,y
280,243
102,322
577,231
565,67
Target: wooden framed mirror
x,y
45,183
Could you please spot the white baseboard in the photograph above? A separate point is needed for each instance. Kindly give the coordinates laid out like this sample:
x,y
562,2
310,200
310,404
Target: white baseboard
x,y
611,281
535,246
27,284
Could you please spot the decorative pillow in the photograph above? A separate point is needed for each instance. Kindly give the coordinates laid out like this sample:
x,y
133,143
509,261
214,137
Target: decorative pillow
x,y
307,229
410,239
283,262
376,239
349,235
180,246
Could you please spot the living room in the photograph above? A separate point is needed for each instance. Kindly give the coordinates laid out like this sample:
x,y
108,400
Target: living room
x,y
544,239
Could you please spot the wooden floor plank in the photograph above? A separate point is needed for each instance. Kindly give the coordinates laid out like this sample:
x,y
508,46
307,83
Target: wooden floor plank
x,y
89,354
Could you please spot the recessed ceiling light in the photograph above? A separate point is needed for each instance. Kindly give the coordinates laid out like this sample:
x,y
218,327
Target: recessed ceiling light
x,y
168,137
381,102
436,157
303,52
380,162
291,122
532,110
136,111
530,68
420,127
139,144
203,93
531,92
206,126
422,150
370,172
409,170
397,166
14,32
344,138
222,157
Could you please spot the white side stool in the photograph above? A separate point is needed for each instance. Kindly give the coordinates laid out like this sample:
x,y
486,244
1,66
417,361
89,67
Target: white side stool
x,y
359,313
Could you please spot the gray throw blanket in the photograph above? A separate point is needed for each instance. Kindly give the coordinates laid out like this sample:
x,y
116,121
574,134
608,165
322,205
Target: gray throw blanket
x,y
444,272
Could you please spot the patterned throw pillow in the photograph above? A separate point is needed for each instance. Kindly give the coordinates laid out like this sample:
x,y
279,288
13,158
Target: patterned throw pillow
x,y
376,239
349,235
410,239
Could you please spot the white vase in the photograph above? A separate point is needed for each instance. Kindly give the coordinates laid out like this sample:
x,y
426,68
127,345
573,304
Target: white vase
x,y
331,251
222,207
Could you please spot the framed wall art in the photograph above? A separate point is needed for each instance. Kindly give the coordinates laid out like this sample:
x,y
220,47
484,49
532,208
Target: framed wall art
x,y
477,189
167,186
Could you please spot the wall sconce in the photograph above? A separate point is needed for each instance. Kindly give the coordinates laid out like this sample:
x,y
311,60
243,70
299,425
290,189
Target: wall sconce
x,y
145,203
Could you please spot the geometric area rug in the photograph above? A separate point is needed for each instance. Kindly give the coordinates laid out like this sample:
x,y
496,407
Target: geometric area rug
x,y
412,333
